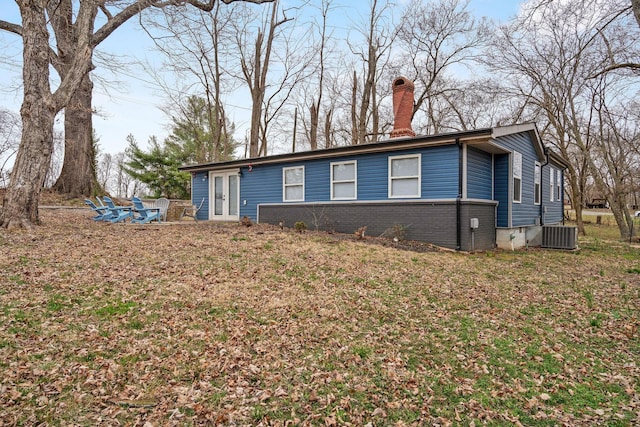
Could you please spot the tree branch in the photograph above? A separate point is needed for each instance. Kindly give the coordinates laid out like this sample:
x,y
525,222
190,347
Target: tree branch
x,y
140,5
630,65
12,28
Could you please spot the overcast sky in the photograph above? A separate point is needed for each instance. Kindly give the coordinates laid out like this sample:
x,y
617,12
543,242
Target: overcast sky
x,y
131,104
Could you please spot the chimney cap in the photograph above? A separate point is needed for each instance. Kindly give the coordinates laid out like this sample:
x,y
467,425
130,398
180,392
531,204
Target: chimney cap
x,y
402,81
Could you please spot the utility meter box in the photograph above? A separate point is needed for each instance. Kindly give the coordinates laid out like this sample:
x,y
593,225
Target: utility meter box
x,y
474,223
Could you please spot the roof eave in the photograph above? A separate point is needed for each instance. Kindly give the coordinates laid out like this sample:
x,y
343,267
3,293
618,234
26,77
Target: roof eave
x,y
388,145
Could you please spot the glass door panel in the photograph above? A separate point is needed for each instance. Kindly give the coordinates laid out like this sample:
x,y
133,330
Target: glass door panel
x,y
225,196
233,195
218,188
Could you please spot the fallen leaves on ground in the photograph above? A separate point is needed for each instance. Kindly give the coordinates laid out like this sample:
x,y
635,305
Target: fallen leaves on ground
x,y
219,324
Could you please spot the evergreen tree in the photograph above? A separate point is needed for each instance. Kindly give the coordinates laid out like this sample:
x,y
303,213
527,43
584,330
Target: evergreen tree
x,y
198,136
158,168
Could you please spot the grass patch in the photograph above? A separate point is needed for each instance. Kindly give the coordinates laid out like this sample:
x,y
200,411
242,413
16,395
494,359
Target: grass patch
x,y
297,330
57,303
116,309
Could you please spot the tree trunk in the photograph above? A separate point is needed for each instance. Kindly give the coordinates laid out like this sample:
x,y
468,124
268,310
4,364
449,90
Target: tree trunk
x,y
577,206
314,119
257,96
78,175
327,130
30,168
20,204
354,116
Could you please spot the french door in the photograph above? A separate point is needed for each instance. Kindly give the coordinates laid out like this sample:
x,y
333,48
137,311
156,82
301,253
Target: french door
x,y
225,196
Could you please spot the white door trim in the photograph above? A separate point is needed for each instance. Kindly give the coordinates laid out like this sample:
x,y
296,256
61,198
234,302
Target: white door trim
x,y
225,201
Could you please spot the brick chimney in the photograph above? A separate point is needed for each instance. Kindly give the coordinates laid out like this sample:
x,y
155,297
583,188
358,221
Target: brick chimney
x,y
402,107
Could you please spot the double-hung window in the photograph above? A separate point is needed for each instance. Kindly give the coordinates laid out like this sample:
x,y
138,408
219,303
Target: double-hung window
x,y
404,176
537,188
558,185
293,184
517,177
344,180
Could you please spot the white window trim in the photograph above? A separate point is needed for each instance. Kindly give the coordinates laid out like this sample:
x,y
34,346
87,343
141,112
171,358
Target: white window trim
x,y
552,185
285,185
537,179
559,185
354,180
517,174
418,177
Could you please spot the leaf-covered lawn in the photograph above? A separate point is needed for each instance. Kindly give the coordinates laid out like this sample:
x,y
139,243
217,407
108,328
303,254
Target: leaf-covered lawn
x,y
204,324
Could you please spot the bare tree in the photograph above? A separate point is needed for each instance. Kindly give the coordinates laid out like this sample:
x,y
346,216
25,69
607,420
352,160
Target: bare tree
x,y
77,176
104,170
549,56
196,52
621,61
261,45
378,38
118,181
41,103
315,103
613,154
435,37
9,140
473,104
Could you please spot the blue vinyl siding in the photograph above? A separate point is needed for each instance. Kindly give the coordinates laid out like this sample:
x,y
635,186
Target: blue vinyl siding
x,y
262,185
554,210
479,174
488,181
200,190
502,179
439,169
317,181
525,212
372,177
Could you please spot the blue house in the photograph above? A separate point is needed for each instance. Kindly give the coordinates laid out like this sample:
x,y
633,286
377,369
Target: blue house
x,y
470,190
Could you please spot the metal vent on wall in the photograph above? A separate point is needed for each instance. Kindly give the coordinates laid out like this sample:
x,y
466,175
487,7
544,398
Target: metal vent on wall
x,y
559,237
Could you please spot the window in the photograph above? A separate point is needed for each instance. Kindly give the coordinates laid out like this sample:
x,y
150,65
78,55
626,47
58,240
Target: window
x,y
517,177
552,187
343,180
404,176
559,186
293,184
537,177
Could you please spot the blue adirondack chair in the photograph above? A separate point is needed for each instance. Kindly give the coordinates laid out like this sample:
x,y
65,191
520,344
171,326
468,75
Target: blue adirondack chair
x,y
145,215
102,212
118,213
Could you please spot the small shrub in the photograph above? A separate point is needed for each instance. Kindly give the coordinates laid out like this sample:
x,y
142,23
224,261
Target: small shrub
x,y
246,221
359,233
397,232
300,227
